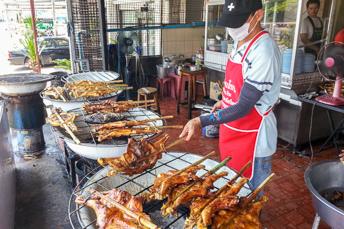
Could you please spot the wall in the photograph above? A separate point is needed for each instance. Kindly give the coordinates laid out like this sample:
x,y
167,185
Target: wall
x,y
339,19
182,41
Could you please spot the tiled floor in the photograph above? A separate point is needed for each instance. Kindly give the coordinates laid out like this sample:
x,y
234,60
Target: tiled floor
x,y
289,205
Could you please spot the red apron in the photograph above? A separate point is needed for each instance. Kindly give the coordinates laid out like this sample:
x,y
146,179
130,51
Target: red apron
x,y
238,139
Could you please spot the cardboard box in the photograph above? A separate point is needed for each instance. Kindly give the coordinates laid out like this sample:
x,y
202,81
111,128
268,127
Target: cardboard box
x,y
215,90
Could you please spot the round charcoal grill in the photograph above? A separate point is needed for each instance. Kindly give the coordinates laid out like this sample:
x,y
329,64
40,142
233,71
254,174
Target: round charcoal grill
x,y
25,111
90,148
83,217
78,103
23,84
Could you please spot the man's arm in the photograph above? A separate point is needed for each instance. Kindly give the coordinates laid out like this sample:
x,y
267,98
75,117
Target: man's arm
x,y
249,96
307,42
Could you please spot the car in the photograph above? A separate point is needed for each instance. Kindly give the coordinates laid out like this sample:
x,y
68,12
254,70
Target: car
x,y
49,48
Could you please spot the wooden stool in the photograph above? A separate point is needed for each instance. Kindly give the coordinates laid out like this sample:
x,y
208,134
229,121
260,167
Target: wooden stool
x,y
146,93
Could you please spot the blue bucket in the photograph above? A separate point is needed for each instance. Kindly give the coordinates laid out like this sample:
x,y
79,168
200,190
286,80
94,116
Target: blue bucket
x,y
286,61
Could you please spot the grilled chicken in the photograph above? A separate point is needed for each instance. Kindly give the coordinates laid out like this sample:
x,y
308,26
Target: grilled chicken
x,y
109,217
200,188
227,200
99,118
165,182
110,106
140,156
125,132
240,218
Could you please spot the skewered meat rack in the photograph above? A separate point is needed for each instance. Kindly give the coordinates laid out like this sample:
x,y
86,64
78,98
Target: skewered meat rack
x,y
82,217
90,148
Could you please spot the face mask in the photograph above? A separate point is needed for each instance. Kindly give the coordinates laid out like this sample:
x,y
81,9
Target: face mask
x,y
239,34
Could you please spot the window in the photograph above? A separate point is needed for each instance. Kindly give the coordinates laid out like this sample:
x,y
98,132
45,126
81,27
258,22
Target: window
x,y
47,43
61,42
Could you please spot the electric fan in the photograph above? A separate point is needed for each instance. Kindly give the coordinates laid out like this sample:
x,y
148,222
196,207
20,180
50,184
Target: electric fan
x,y
331,67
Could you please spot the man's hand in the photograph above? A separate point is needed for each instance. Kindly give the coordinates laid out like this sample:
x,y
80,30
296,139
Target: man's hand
x,y
190,128
217,106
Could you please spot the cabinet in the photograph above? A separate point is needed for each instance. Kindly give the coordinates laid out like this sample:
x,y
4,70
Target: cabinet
x,y
217,43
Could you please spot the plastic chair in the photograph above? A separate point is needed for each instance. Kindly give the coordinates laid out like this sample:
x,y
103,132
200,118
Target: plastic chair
x,y
166,84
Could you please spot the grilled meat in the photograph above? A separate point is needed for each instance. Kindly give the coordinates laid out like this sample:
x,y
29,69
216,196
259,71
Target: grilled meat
x,y
140,156
227,200
107,106
240,218
87,89
67,117
124,132
199,189
100,118
109,217
110,106
165,182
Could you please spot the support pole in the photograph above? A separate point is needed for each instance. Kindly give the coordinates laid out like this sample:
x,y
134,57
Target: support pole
x,y
34,29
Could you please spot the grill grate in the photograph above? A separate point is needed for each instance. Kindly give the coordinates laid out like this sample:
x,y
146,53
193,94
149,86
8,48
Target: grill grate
x,y
85,134
82,217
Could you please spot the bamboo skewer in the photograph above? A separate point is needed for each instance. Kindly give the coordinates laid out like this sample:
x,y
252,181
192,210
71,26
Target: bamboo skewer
x,y
177,142
114,81
167,127
254,194
61,95
143,221
66,127
136,102
194,164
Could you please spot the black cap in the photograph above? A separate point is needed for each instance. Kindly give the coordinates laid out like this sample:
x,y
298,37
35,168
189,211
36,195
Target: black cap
x,y
236,12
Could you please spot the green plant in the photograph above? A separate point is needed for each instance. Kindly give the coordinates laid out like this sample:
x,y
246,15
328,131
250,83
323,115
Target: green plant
x,y
29,43
63,64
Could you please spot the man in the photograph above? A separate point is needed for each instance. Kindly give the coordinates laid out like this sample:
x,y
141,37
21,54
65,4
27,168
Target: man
x,y
248,129
312,28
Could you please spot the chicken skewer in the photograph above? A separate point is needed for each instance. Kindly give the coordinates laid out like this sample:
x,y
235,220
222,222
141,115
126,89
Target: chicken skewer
x,y
140,218
240,218
140,156
127,132
199,188
225,201
68,126
129,123
228,202
199,205
109,106
110,217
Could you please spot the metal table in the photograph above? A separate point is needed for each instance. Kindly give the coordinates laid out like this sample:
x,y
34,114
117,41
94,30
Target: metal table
x,y
335,129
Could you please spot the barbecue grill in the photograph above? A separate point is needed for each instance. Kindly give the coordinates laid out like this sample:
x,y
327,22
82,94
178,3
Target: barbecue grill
x,y
83,217
90,148
77,103
25,110
323,180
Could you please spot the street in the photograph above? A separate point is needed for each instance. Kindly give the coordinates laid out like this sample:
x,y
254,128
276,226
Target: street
x,y
9,41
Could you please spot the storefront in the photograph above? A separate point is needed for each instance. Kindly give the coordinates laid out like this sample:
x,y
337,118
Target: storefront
x,y
283,20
